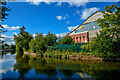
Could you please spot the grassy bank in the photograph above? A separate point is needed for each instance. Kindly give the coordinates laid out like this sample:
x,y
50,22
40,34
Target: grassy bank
x,y
64,55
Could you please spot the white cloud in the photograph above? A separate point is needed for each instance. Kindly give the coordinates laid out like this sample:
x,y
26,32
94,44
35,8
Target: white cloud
x,y
68,22
59,17
10,28
10,61
14,33
8,39
87,12
59,2
77,12
62,17
72,28
62,34
7,36
34,35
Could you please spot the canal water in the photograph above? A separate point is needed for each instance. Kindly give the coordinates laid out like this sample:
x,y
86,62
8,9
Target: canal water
x,y
14,66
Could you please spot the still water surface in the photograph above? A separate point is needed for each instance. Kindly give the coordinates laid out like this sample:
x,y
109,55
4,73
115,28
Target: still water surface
x,y
14,66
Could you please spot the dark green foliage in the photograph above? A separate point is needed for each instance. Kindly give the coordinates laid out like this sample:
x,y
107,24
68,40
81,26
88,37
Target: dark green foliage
x,y
66,40
3,15
12,46
70,47
50,39
12,52
40,43
6,45
22,39
32,46
4,10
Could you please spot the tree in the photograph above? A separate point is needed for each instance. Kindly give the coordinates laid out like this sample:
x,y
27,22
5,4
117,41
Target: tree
x,y
107,43
40,43
50,39
66,40
3,15
22,39
12,46
6,45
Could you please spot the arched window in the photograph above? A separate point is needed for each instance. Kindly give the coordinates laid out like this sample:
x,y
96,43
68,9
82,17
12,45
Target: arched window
x,y
83,39
80,39
77,39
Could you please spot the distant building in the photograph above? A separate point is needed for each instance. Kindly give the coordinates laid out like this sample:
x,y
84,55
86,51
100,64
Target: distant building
x,y
87,30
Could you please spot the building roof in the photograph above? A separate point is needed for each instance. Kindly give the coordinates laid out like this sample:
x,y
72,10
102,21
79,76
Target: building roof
x,y
91,18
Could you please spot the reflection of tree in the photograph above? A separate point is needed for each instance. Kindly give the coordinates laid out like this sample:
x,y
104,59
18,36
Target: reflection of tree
x,y
19,52
12,52
3,53
41,67
101,70
67,68
67,73
22,65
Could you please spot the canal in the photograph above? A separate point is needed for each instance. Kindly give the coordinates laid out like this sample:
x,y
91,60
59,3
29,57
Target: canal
x,y
14,66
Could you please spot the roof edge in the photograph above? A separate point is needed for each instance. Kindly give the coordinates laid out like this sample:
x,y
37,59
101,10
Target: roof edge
x,y
83,22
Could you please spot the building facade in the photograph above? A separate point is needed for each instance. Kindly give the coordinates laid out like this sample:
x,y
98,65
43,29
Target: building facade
x,y
88,29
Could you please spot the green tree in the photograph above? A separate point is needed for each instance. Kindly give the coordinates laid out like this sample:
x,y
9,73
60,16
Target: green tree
x,y
6,45
66,40
32,46
50,39
22,39
4,11
40,43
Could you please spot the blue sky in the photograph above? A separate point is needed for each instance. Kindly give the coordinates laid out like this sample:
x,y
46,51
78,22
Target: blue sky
x,y
58,18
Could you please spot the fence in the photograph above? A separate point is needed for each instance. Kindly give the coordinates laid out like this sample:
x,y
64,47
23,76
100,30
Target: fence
x,y
70,47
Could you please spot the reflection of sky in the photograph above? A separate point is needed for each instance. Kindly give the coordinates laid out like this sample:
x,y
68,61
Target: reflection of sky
x,y
7,66
32,74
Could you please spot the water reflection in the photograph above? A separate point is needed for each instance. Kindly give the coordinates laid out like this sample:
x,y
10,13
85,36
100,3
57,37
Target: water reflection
x,y
29,67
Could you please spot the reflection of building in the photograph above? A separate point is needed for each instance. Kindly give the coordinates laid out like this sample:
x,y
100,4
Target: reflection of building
x,y
87,30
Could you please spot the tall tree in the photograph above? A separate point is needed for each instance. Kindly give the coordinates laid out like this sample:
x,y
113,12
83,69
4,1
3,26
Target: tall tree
x,y
22,39
50,39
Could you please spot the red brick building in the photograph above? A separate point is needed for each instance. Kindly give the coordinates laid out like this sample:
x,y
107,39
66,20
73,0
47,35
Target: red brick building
x,y
80,38
87,30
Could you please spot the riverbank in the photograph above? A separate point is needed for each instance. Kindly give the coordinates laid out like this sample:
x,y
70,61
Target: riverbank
x,y
71,57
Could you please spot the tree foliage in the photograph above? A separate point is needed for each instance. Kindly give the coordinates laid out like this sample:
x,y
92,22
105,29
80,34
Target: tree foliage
x,y
6,45
66,40
40,43
107,43
12,46
22,39
50,39
3,15
4,11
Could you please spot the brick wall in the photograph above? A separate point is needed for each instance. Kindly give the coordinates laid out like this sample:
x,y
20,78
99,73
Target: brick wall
x,y
80,38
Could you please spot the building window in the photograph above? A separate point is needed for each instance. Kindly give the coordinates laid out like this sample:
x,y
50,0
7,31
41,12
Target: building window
x,y
83,39
76,38
80,39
